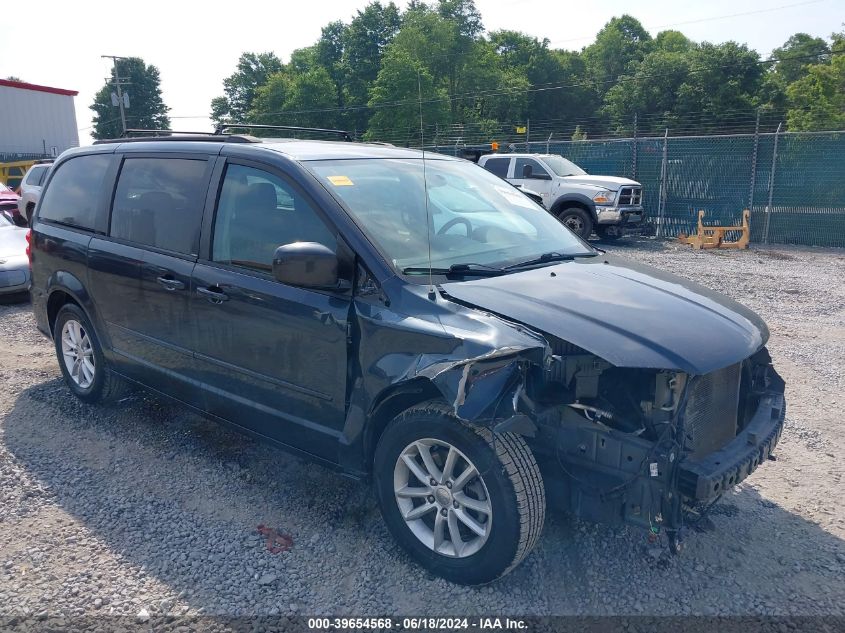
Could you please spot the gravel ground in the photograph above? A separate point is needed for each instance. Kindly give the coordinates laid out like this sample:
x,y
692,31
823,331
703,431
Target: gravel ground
x,y
142,509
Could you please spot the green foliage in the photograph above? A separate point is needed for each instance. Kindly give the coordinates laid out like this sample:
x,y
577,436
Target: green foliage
x,y
253,71
673,42
798,52
817,100
655,88
623,41
146,107
364,42
364,76
291,98
396,97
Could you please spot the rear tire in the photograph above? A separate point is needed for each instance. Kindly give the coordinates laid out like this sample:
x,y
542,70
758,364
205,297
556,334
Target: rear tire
x,y
496,514
577,220
81,358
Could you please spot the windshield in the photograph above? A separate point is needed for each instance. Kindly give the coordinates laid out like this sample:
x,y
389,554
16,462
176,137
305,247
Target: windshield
x,y
563,167
4,188
475,217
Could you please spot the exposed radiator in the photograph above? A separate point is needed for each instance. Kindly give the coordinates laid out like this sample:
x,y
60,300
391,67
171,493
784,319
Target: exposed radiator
x,y
712,408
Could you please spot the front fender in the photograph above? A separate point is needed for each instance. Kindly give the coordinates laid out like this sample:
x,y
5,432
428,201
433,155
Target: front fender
x,y
579,199
476,362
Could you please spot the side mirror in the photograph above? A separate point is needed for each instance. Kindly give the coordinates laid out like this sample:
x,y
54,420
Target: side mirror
x,y
527,171
306,264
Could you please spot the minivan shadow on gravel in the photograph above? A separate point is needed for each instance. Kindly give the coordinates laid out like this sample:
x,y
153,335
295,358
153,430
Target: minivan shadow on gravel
x,y
143,505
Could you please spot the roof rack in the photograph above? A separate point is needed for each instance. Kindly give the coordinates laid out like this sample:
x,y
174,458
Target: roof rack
x,y
347,136
173,135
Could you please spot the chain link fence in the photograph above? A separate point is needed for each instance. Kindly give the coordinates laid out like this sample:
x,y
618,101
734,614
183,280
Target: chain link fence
x,y
793,182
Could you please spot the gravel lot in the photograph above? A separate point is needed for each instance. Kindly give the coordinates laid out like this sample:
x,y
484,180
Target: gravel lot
x,y
142,508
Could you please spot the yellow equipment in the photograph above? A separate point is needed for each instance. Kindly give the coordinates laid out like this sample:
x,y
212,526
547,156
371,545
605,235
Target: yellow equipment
x,y
714,236
11,174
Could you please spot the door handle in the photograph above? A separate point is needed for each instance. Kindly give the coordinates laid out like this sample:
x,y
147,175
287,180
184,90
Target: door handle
x,y
170,284
213,294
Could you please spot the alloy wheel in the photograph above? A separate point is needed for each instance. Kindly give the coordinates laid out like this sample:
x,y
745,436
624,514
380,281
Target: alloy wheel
x,y
78,353
442,498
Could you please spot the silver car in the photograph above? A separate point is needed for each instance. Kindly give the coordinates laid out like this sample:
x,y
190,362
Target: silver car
x,y
14,263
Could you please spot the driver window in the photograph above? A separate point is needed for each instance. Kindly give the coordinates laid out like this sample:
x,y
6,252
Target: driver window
x,y
536,168
257,212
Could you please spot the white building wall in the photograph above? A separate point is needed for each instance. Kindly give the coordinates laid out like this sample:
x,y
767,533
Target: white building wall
x,y
32,120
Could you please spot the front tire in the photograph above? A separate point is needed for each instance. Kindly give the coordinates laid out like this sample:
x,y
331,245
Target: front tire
x,y
81,358
465,503
577,220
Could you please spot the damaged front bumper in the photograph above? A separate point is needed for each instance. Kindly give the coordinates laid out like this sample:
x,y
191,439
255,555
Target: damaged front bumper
x,y
705,479
601,474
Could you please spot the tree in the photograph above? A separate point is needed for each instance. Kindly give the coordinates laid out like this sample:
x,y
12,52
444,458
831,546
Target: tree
x,y
13,78
268,103
253,71
673,42
532,59
146,107
652,92
296,98
798,52
817,100
464,15
395,98
311,99
364,43
724,79
622,42
330,56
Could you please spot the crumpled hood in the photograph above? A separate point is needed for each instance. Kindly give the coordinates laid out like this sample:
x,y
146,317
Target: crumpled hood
x,y
626,313
608,182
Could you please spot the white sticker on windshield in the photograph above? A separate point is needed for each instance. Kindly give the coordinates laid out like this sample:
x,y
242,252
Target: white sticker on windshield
x,y
513,195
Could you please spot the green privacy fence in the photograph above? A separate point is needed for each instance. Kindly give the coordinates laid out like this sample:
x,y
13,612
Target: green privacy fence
x,y
793,183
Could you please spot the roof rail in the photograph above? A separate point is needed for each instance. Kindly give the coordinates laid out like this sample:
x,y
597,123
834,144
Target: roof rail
x,y
347,136
173,135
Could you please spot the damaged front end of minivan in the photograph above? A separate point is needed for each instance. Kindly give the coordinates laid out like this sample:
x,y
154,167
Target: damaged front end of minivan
x,y
647,447
652,446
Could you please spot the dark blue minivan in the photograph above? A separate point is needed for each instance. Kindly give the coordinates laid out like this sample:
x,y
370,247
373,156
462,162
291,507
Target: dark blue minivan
x,y
408,319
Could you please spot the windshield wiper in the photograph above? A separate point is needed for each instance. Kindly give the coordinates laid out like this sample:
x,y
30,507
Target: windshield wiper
x,y
549,257
479,270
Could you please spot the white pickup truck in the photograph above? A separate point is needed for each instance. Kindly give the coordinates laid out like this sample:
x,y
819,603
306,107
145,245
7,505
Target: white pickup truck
x,y
609,205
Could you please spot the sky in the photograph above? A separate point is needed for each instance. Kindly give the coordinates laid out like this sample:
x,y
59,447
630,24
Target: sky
x,y
196,44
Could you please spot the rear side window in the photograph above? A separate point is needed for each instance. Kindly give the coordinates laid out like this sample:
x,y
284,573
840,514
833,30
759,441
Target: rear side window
x,y
159,201
35,176
498,166
74,192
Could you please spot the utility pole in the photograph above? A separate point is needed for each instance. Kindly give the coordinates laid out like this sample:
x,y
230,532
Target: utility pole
x,y
118,82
